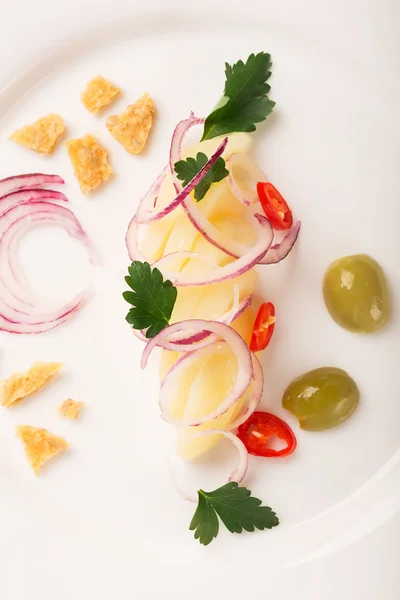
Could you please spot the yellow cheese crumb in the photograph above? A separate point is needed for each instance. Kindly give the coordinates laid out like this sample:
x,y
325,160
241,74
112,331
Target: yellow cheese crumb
x,y
40,445
71,409
131,127
90,163
41,135
22,385
99,92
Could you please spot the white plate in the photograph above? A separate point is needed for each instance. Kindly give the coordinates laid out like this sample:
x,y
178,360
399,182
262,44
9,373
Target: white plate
x,y
330,147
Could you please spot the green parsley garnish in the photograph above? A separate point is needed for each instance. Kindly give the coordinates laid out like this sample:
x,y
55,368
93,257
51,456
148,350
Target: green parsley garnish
x,y
187,169
152,299
245,100
236,508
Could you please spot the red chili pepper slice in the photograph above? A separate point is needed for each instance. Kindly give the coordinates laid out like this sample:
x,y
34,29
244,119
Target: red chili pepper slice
x,y
258,430
263,327
275,206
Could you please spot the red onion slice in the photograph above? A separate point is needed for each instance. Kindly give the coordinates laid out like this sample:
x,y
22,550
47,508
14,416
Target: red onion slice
x,y
236,475
201,339
149,216
239,349
132,241
28,181
231,246
278,252
192,341
178,136
242,161
255,394
18,314
162,262
149,201
229,271
25,329
12,296
29,197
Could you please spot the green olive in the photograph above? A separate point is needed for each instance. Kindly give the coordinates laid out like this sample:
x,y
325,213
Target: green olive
x,y
322,398
356,293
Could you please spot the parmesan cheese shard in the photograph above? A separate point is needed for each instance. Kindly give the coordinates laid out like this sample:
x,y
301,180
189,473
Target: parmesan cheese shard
x,y
90,162
99,92
131,127
41,135
40,445
22,385
71,409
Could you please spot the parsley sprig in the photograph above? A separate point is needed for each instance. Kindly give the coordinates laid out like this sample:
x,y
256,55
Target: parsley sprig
x,y
245,101
152,298
187,169
236,508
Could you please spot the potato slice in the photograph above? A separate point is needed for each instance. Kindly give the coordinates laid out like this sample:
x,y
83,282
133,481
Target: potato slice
x,y
207,391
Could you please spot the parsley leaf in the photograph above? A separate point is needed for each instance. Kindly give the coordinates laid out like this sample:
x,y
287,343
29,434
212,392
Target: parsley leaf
x,y
245,100
236,508
187,169
152,299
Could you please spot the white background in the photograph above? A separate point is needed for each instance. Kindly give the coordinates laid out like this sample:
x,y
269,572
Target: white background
x,y
366,569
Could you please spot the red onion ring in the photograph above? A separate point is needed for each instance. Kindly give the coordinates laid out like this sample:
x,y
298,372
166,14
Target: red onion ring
x,y
29,197
17,313
237,474
204,338
245,196
132,242
192,342
232,270
12,296
255,393
201,339
150,199
143,217
231,246
28,181
280,251
178,136
239,349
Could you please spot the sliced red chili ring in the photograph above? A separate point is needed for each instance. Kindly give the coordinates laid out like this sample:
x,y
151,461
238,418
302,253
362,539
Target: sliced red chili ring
x,y
263,327
260,429
274,206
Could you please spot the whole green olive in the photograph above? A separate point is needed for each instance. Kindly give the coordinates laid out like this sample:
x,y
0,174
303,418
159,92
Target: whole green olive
x,y
356,293
322,398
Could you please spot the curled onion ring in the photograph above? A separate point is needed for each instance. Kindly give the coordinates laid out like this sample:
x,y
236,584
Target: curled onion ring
x,y
237,474
239,349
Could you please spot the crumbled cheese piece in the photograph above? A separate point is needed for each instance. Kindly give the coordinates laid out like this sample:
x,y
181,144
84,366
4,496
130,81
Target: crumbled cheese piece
x,y
99,92
40,445
22,385
41,135
131,127
90,163
71,409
